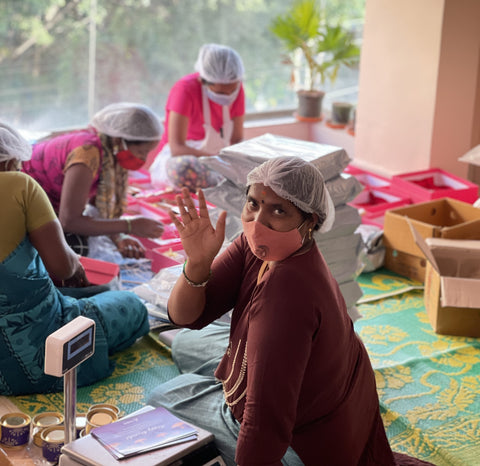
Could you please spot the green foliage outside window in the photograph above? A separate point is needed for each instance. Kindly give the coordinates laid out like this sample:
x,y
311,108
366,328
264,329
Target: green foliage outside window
x,y
142,47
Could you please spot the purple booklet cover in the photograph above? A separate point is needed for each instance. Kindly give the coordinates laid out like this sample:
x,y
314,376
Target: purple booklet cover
x,y
147,431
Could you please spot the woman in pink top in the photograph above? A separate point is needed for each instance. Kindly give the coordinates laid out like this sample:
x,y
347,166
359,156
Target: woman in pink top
x,y
204,113
90,167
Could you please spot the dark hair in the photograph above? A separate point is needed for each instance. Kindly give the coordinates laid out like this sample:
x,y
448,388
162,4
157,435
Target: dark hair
x,y
133,143
309,216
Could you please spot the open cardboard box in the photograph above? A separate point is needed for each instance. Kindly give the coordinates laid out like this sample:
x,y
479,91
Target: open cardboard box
x,y
441,218
452,284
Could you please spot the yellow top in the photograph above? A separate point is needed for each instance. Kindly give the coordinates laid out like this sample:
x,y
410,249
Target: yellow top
x,y
24,207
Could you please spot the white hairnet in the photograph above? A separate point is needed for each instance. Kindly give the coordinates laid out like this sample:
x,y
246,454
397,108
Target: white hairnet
x,y
130,121
13,145
298,181
219,64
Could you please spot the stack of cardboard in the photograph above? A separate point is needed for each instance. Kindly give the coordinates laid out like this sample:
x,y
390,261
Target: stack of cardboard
x,y
341,247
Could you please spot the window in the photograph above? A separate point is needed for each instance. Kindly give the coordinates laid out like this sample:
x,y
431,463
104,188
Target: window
x,y
62,60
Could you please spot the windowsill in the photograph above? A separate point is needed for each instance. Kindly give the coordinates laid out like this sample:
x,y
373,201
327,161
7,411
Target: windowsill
x,y
258,119
285,124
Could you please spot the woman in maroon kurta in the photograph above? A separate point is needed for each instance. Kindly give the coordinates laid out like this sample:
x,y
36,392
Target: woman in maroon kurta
x,y
295,378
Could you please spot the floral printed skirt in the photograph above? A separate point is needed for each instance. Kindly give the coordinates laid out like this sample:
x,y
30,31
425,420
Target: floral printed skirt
x,y
188,171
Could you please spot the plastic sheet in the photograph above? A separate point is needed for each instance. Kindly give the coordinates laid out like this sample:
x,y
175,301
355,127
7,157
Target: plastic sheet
x,y
340,248
234,162
343,188
351,292
472,156
374,248
231,197
157,290
347,219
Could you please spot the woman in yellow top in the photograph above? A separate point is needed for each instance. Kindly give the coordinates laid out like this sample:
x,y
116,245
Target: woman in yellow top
x,y
90,167
32,249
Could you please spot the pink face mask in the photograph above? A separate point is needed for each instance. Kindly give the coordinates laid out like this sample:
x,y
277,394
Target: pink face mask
x,y
271,245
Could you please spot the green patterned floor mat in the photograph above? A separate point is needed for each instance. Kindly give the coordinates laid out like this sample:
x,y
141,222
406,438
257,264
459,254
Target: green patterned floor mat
x,y
428,384
138,370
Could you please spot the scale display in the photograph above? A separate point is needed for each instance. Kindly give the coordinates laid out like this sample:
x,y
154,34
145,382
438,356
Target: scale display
x,y
66,348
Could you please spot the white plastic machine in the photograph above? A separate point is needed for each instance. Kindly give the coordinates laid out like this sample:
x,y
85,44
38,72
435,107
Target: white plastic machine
x,y
65,349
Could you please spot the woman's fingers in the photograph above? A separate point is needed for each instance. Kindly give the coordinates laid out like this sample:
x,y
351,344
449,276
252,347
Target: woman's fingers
x,y
129,248
186,206
202,203
174,217
192,210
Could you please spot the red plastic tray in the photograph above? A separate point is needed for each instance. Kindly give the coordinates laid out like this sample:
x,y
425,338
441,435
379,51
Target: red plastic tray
x,y
99,272
435,183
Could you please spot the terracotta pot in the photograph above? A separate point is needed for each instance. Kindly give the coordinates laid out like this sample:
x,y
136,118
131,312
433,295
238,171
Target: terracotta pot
x,y
310,104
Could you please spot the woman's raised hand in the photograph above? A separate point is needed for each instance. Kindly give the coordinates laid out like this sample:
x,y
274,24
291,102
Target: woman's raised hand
x,y
201,241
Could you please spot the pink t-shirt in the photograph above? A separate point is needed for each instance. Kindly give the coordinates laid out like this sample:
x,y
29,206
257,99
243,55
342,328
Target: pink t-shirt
x,y
186,98
51,157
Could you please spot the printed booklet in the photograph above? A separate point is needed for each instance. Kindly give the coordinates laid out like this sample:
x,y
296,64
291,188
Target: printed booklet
x,y
146,431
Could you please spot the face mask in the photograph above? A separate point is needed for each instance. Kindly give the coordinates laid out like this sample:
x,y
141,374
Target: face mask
x,y
223,99
271,245
127,160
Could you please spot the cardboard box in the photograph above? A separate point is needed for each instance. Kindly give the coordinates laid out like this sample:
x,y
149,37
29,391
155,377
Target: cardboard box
x,y
406,265
452,284
441,218
435,183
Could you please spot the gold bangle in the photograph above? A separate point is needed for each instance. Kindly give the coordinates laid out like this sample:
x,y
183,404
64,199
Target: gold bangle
x,y
129,225
196,285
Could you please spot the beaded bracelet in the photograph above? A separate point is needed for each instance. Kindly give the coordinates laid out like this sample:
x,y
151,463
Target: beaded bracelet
x,y
129,225
195,285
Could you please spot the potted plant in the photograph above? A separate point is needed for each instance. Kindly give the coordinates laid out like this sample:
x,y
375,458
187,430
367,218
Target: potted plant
x,y
315,48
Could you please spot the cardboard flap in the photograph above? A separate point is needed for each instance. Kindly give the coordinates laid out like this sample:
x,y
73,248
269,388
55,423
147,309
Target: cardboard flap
x,y
459,292
468,230
469,245
423,246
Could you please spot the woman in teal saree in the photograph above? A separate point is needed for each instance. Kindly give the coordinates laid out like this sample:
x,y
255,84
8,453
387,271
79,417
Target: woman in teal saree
x,y
32,249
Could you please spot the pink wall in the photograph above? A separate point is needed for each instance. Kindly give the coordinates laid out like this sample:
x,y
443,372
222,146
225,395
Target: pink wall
x,y
457,87
419,85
